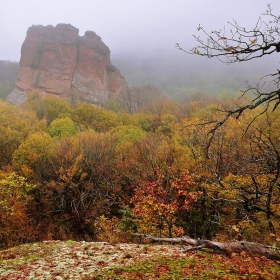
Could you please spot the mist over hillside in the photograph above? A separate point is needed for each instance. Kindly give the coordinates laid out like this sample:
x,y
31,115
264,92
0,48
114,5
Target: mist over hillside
x,y
177,73
143,47
8,73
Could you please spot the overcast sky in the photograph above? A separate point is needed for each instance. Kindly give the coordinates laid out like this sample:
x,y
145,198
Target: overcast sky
x,y
125,25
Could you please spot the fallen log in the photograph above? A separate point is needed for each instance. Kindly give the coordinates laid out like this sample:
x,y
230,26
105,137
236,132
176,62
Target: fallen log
x,y
250,248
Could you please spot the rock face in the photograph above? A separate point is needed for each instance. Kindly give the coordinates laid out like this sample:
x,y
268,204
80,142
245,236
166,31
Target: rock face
x,y
56,60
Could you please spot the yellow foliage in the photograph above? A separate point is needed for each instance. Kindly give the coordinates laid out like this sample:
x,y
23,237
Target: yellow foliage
x,y
14,199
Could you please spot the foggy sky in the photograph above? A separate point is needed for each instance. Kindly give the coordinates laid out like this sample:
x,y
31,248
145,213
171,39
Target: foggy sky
x,y
137,26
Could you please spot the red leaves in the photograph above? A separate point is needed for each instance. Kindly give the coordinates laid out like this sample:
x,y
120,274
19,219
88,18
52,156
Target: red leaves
x,y
158,202
162,269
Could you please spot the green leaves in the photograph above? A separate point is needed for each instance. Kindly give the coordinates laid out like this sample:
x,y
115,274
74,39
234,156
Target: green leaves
x,y
90,116
61,128
34,154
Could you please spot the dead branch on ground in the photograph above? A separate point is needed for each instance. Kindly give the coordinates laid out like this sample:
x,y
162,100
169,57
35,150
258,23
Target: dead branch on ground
x,y
250,248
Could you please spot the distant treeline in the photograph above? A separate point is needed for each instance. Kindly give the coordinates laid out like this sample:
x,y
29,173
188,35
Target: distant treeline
x,y
178,74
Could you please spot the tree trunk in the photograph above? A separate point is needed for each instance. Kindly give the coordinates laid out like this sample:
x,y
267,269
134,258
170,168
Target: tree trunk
x,y
250,248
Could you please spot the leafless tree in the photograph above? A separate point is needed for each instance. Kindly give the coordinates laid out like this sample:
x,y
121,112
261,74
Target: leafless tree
x,y
138,98
239,44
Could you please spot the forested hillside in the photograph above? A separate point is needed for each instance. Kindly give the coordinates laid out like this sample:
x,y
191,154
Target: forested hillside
x,y
175,75
179,75
84,173
156,156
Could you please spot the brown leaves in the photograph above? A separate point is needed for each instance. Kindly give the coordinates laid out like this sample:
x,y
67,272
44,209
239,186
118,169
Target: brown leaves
x,y
15,197
254,41
229,49
75,260
196,51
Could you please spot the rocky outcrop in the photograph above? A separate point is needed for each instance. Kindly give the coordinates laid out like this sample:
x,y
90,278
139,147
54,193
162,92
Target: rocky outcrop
x,y
56,60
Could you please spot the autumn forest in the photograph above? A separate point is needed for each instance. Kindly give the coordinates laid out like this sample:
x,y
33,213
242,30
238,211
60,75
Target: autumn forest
x,y
141,164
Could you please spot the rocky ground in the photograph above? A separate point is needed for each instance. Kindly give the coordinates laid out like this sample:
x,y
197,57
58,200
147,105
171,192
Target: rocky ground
x,y
100,260
73,260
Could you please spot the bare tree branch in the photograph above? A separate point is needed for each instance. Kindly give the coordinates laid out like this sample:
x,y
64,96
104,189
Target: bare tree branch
x,y
240,44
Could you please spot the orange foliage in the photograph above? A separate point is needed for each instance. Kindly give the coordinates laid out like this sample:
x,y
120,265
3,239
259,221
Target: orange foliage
x,y
158,203
16,225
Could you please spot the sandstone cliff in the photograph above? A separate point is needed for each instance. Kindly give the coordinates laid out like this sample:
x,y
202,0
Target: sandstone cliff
x,y
56,60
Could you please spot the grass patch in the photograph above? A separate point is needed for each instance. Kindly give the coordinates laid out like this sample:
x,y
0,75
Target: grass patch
x,y
199,265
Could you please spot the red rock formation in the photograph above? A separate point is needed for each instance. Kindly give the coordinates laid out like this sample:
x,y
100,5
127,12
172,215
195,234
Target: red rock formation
x,y
56,60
